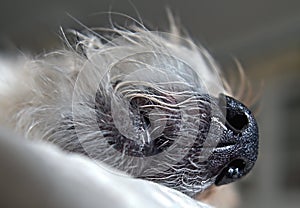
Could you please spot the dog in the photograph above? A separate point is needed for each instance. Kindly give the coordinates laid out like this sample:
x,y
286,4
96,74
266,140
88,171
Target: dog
x,y
138,103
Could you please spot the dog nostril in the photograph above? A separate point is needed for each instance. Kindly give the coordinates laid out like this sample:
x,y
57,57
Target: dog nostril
x,y
237,120
237,115
233,171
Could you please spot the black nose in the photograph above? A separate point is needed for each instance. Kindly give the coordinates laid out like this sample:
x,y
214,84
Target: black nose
x,y
241,138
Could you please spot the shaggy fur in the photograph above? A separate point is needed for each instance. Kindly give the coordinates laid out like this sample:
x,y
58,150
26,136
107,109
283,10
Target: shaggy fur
x,y
88,99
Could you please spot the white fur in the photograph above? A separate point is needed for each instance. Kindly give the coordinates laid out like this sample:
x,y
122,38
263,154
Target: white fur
x,y
37,96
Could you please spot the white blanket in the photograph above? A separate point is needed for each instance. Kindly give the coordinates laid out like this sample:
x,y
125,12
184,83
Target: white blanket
x,y
38,175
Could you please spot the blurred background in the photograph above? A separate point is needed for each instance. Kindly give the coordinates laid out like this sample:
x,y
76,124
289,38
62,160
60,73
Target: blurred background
x,y
264,35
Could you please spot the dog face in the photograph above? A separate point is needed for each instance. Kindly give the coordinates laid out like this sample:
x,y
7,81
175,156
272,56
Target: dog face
x,y
147,103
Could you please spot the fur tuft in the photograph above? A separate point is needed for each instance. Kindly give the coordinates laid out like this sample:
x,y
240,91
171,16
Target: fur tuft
x,y
82,98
